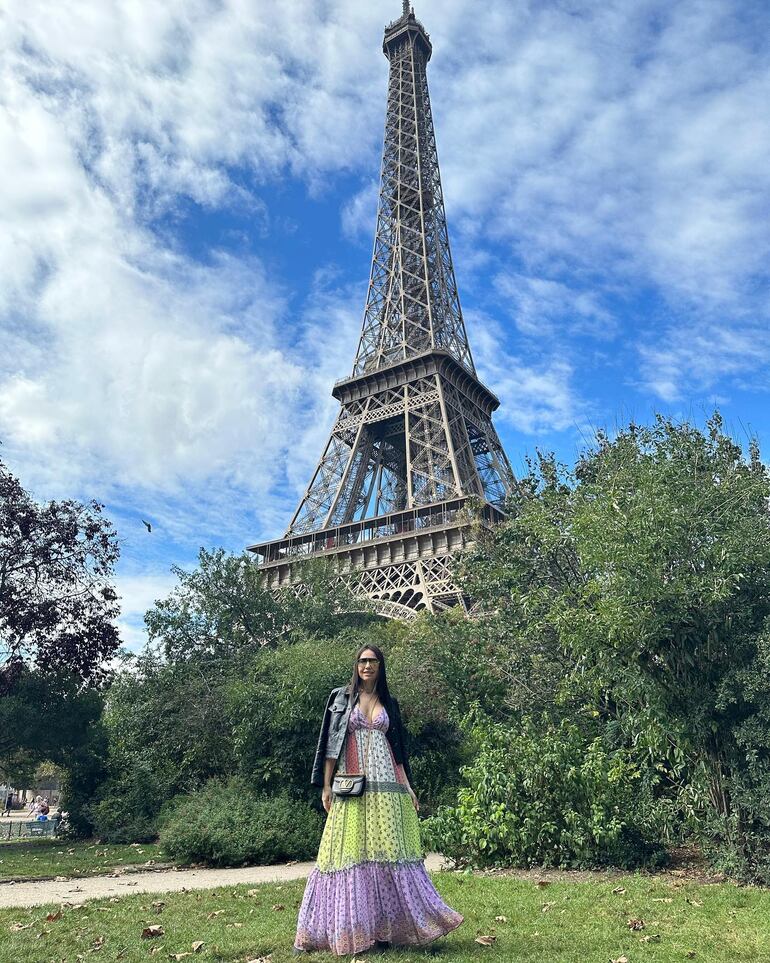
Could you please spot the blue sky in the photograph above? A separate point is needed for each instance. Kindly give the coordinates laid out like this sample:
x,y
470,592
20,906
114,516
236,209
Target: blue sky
x,y
188,201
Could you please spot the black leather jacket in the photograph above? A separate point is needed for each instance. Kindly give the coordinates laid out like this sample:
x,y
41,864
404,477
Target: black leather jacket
x,y
335,725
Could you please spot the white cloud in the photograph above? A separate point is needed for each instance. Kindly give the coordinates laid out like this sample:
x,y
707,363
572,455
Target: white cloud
x,y
359,214
129,360
168,97
633,132
624,145
138,593
542,307
698,355
620,144
328,339
535,396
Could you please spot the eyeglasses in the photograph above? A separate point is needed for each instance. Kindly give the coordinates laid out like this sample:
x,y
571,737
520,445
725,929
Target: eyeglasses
x,y
371,662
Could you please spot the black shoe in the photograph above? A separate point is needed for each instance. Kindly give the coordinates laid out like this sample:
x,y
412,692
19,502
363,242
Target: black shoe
x,y
381,945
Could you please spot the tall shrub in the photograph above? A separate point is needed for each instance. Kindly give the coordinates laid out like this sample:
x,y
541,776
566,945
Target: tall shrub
x,y
226,824
643,579
549,796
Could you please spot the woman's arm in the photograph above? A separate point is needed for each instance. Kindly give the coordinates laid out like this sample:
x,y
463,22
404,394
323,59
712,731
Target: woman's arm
x,y
317,778
402,766
405,780
326,792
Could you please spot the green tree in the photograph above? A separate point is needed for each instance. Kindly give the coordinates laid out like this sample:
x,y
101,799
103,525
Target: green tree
x,y
168,730
57,602
233,682
641,582
57,635
54,719
222,608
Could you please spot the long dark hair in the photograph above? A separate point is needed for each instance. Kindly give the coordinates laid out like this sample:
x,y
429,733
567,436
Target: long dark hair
x,y
382,677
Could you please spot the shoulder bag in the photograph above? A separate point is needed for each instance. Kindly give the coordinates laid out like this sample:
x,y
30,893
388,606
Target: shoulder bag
x,y
352,783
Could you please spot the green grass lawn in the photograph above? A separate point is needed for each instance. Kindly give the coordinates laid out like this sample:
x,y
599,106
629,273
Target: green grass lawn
x,y
54,857
564,922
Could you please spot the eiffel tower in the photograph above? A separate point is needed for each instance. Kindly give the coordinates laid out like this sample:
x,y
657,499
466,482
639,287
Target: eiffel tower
x,y
413,445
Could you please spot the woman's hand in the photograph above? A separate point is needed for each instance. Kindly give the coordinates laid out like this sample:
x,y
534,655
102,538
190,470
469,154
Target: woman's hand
x,y
326,797
414,799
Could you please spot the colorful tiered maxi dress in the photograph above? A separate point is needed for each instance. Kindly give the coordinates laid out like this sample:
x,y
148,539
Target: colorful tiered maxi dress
x,y
369,883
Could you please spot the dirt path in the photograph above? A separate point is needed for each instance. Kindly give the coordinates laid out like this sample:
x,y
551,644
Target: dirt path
x,y
95,887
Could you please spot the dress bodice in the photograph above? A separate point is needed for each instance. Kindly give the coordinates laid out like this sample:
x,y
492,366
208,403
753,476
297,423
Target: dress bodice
x,y
359,721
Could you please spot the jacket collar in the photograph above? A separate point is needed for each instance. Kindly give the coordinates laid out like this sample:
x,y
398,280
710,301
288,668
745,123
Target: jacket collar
x,y
347,690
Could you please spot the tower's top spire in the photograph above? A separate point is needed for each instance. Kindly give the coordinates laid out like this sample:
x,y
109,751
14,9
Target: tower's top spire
x,y
407,27
412,304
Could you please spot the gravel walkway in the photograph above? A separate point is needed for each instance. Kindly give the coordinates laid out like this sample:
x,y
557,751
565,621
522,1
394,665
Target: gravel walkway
x,y
78,890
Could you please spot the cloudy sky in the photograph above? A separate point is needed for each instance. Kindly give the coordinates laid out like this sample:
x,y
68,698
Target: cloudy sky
x,y
187,201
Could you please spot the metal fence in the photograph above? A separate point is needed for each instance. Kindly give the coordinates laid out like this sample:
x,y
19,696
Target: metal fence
x,y
27,829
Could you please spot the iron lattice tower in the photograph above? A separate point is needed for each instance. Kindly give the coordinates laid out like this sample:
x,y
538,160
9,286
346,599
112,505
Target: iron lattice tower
x,y
414,439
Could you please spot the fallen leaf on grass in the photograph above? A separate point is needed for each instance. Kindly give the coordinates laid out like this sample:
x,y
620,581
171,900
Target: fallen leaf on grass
x,y
620,959
546,906
53,917
501,919
278,907
15,927
198,946
619,890
695,902
252,892
268,959
158,905
634,924
664,899
543,882
150,932
651,938
214,913
486,940
690,954
97,944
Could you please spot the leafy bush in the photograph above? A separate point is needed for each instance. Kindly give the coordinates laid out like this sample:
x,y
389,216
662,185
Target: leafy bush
x,y
226,824
738,844
640,580
548,796
276,706
127,811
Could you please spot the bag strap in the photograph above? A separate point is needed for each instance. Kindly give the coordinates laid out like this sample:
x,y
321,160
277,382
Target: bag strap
x,y
366,753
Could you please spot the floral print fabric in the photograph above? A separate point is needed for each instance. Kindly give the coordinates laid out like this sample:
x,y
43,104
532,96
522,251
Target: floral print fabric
x,y
369,882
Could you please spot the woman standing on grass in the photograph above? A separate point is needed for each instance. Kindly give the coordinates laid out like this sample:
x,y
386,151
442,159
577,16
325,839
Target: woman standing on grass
x,y
369,886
